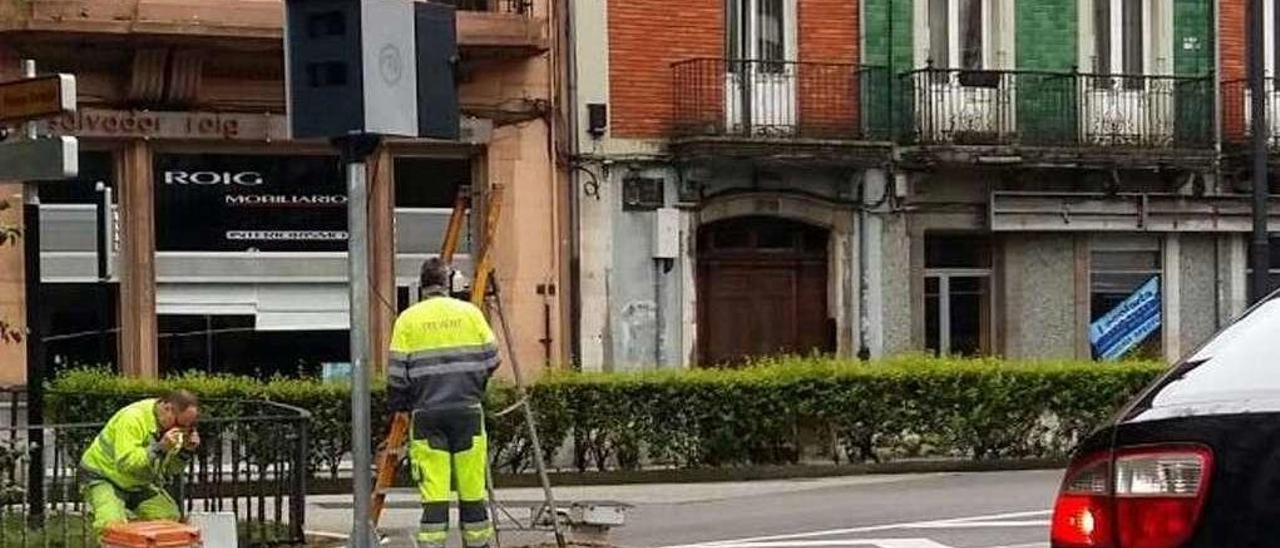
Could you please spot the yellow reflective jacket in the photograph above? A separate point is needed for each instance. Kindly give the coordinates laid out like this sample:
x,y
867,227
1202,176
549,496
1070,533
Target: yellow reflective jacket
x,y
127,451
442,355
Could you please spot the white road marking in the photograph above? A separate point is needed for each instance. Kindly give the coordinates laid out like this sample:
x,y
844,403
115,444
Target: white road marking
x,y
1042,544
1005,516
983,524
957,522
877,543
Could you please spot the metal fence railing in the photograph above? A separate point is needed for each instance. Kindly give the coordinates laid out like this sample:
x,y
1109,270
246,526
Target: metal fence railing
x,y
772,99
252,462
950,106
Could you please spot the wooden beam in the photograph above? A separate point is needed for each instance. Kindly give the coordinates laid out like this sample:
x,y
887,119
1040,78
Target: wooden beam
x,y
382,288
240,20
147,77
138,327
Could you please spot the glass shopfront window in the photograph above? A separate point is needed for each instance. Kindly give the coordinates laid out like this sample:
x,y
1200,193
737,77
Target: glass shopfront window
x,y
1120,267
80,312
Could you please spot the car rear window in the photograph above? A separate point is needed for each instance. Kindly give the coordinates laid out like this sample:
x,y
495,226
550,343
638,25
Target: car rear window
x,y
1239,363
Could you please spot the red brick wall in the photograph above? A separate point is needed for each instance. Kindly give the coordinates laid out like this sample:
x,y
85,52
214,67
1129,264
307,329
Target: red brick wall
x,y
1233,36
828,33
645,38
828,30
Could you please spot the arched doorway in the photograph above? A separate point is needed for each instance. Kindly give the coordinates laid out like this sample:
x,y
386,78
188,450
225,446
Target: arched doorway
x,y
762,286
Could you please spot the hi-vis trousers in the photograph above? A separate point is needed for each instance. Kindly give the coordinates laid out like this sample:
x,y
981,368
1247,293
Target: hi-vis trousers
x,y
449,445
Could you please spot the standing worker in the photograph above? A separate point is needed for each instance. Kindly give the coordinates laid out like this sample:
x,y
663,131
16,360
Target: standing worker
x,y
443,353
140,449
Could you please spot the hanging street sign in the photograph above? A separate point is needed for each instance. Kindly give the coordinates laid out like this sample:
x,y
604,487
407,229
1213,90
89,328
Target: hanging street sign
x,y
38,97
43,159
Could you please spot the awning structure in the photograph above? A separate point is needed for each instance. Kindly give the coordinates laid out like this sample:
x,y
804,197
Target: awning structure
x,y
275,307
1124,212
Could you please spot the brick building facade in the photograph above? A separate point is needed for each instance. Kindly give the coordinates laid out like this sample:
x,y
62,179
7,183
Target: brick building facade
x,y
955,176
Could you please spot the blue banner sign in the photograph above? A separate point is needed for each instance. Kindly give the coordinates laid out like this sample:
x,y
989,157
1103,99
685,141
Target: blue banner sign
x,y
1129,323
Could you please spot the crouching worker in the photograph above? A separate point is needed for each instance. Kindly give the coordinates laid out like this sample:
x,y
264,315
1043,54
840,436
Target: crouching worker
x,y
442,355
140,449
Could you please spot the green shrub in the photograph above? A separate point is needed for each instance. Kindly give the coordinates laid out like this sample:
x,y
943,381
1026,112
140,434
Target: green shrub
x,y
776,411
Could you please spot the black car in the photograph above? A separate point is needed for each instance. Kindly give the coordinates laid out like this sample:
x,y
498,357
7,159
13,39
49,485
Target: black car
x,y
1192,461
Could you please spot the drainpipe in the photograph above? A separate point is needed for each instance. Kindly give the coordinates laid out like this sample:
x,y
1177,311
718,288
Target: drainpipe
x,y
864,287
660,320
553,171
572,190
1217,86
1216,22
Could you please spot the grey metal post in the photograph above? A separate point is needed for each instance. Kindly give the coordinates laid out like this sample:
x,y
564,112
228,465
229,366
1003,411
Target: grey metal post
x,y
1257,68
358,267
355,150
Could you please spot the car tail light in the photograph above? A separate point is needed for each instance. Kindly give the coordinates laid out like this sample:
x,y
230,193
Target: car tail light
x,y
1083,513
1147,497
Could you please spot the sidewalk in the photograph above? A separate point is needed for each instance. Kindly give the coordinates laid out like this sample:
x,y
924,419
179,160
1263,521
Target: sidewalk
x,y
333,513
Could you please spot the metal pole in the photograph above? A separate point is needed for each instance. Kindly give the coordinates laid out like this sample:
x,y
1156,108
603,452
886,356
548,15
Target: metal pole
x,y
104,274
354,151
1257,68
298,499
35,333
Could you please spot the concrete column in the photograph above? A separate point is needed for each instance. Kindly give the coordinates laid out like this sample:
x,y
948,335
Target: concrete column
x,y
872,242
1200,285
1083,296
598,209
843,277
1171,295
13,311
1235,257
1040,296
524,259
597,203
382,288
688,265
138,329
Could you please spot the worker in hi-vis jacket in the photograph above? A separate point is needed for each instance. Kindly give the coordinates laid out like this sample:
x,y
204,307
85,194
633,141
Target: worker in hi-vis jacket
x,y
142,447
443,353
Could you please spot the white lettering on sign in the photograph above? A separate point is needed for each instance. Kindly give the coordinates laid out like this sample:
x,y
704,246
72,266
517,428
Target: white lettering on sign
x,y
243,178
325,235
285,199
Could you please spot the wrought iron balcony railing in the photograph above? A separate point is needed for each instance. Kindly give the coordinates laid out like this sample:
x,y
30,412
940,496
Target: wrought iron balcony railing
x,y
780,99
947,106
1237,111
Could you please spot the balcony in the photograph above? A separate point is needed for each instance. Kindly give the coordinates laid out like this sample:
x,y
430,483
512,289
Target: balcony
x,y
744,100
1050,109
1237,112
482,24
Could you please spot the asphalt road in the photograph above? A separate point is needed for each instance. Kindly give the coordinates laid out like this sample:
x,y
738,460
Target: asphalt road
x,y
976,510
998,509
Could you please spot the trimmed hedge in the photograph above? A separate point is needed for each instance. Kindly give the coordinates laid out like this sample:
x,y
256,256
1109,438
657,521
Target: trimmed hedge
x,y
780,411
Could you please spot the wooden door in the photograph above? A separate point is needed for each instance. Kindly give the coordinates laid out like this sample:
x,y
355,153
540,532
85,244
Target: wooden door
x,y
763,290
